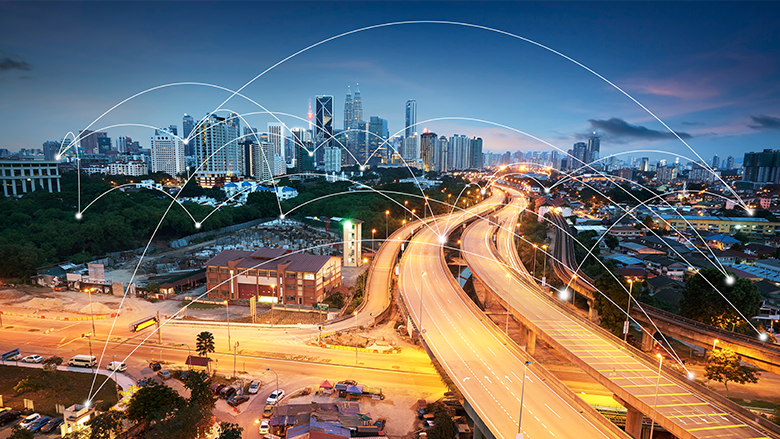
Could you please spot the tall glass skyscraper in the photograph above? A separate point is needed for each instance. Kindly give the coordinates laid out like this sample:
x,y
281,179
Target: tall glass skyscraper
x,y
411,118
187,124
324,125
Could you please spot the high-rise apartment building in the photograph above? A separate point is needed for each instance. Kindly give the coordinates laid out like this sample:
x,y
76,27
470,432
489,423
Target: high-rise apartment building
x,y
218,154
594,148
276,136
441,155
332,159
187,125
411,118
762,167
729,163
167,154
263,161
666,174
377,137
123,144
88,141
715,162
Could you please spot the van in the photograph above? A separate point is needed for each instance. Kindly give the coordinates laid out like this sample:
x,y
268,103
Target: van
x,y
83,361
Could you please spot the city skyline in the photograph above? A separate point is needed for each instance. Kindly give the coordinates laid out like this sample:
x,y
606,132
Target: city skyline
x,y
717,90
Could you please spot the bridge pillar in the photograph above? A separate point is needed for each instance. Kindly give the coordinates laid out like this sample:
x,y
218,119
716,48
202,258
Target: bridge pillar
x,y
647,341
593,315
634,419
477,432
530,342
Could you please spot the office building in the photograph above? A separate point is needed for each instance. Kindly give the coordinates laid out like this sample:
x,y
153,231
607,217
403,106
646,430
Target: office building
x,y
441,154
411,150
187,125
304,151
475,153
332,158
594,148
411,118
133,168
218,154
123,144
272,276
276,136
377,147
171,130
349,112
50,149
167,154
762,167
428,151
88,141
715,162
666,174
17,177
729,163
357,107
323,134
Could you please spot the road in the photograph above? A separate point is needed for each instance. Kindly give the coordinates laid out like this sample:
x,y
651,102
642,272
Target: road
x,y
486,371
635,381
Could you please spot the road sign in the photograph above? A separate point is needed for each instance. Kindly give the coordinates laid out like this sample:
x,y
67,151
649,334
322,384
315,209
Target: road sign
x,y
10,354
323,306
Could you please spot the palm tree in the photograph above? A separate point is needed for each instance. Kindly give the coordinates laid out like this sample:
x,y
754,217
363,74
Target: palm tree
x,y
205,343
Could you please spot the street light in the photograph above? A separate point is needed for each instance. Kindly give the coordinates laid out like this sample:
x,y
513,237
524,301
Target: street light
x,y
713,344
657,386
277,381
189,353
387,224
227,314
535,247
544,272
522,394
373,232
355,313
628,310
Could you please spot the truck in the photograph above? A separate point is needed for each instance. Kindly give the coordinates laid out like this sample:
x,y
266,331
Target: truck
x,y
422,409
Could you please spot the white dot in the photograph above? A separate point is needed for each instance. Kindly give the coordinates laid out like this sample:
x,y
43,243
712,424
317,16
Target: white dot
x,y
186,141
78,215
763,337
57,157
564,295
750,212
281,216
546,190
362,168
311,154
729,280
443,239
197,225
691,375
483,191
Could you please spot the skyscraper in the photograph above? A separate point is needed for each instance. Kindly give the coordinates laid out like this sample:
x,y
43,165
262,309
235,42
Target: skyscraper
x,y
357,115
276,136
332,159
580,155
187,124
167,154
594,148
217,152
428,151
377,148
411,118
715,162
50,149
324,125
349,112
475,153
172,129
729,163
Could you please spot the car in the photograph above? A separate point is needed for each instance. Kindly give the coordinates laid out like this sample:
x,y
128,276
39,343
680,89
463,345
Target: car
x,y
216,388
155,366
52,425
254,386
164,374
38,424
184,375
227,392
117,366
32,359
237,400
265,427
268,411
9,416
349,382
275,396
29,420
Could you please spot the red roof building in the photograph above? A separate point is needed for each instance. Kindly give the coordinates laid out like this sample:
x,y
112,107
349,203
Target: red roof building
x,y
273,276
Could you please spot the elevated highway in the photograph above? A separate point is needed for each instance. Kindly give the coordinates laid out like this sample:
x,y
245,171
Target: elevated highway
x,y
676,404
480,360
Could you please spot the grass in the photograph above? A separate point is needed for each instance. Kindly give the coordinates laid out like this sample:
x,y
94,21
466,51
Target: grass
x,y
756,403
71,388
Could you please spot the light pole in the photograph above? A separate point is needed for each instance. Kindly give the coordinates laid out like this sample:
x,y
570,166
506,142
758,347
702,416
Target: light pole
x,y
273,294
713,345
373,232
227,314
544,271
628,310
387,224
535,247
189,354
657,386
355,313
277,381
522,394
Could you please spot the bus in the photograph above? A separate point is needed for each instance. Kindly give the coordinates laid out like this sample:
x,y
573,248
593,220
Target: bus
x,y
83,361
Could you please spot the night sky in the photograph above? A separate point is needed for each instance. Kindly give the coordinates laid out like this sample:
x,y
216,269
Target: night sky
x,y
708,69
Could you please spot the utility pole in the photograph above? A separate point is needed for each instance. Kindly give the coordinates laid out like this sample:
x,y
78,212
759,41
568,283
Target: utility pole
x,y
235,351
159,334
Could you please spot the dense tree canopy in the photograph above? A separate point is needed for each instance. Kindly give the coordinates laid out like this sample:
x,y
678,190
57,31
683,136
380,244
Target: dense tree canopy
x,y
703,303
611,317
726,365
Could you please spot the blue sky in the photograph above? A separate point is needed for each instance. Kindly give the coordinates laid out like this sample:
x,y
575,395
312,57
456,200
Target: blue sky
x,y
708,69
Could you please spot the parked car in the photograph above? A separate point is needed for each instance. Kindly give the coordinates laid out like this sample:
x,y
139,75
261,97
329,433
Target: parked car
x,y
9,416
227,392
32,359
164,374
29,420
265,426
254,386
117,366
52,425
237,400
184,375
275,396
268,411
38,423
216,388
155,366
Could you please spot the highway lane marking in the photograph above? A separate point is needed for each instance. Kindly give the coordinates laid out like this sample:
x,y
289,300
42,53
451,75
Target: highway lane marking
x,y
649,385
699,415
664,394
556,414
717,427
683,404
491,351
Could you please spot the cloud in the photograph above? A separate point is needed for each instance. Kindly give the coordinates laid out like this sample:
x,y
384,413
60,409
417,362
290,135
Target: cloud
x,y
764,122
14,63
620,129
692,123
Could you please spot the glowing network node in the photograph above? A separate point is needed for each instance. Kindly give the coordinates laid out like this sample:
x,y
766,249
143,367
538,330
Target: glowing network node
x,y
197,225
546,190
729,280
763,336
78,215
691,376
57,157
750,212
483,191
443,239
186,141
564,295
311,153
362,168
281,216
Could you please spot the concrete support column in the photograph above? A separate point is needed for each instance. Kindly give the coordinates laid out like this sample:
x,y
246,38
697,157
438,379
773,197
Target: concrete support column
x,y
593,315
530,345
647,342
477,432
634,419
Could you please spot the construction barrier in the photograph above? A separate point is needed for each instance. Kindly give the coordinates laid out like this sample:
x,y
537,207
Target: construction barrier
x,y
67,319
352,349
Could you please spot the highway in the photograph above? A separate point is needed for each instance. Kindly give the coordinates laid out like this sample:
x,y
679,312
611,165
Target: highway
x,y
486,371
679,410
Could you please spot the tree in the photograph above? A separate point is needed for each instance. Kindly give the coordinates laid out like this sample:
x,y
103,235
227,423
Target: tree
x,y
230,431
702,303
205,343
106,425
184,422
21,433
611,242
443,426
726,365
611,317
26,385
153,403
201,396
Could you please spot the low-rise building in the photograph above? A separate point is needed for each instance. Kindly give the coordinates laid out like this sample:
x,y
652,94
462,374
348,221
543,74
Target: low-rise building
x,y
273,276
754,227
21,176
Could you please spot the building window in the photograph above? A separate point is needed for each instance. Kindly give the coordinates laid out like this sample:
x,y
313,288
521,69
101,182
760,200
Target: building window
x,y
263,273
290,275
308,276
